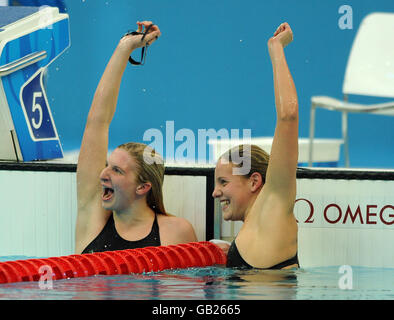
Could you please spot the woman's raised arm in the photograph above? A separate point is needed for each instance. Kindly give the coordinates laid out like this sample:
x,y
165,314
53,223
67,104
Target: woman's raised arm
x,y
281,172
94,147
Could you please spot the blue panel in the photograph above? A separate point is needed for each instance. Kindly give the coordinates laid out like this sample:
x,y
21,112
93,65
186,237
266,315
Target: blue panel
x,y
9,15
25,92
37,3
327,164
36,110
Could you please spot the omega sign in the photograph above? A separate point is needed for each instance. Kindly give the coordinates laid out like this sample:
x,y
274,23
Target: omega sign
x,y
339,214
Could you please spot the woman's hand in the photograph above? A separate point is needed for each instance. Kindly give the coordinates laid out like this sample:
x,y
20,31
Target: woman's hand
x,y
282,36
132,42
224,245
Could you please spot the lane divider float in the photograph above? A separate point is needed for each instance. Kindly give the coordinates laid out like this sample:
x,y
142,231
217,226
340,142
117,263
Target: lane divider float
x,y
186,255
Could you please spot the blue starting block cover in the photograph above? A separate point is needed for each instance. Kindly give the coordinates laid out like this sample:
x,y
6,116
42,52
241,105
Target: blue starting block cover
x,y
24,89
9,15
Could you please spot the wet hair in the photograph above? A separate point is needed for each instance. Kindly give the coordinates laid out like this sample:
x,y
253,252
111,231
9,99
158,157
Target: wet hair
x,y
256,156
148,171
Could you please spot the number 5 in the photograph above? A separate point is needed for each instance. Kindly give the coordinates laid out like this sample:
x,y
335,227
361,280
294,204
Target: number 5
x,y
37,107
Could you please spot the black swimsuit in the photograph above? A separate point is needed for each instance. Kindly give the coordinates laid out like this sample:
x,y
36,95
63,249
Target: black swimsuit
x,y
234,260
110,240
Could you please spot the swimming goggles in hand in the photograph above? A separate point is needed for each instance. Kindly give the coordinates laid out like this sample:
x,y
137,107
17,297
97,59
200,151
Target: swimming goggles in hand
x,y
144,49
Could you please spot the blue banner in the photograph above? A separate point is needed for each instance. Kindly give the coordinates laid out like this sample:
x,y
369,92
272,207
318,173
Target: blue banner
x,y
36,109
38,3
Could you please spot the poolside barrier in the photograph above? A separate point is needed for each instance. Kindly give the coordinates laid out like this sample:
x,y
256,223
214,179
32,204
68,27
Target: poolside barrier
x,y
193,254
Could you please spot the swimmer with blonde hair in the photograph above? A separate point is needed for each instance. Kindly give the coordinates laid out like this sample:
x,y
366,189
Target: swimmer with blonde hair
x,y
120,202
264,197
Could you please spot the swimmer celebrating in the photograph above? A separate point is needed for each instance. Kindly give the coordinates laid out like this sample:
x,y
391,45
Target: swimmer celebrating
x,y
264,197
120,202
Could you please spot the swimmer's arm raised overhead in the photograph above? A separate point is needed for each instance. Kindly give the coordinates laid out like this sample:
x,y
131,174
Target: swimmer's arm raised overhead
x,y
93,152
281,172
94,147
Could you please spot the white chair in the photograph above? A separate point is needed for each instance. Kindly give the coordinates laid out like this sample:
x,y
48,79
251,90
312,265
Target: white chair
x,y
369,72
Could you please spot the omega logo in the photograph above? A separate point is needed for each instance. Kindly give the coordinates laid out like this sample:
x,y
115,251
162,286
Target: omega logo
x,y
368,214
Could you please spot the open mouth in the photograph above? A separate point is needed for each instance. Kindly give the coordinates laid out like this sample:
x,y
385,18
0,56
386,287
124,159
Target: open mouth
x,y
107,194
224,204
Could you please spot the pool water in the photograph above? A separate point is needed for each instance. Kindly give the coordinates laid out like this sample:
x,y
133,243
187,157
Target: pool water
x,y
216,283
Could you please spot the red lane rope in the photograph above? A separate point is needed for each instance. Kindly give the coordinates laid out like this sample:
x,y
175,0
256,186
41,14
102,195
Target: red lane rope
x,y
186,255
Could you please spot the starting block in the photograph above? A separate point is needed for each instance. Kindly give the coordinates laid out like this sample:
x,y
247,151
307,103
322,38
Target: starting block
x,y
31,38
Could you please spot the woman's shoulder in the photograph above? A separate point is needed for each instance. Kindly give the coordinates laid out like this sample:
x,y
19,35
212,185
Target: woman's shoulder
x,y
176,229
172,221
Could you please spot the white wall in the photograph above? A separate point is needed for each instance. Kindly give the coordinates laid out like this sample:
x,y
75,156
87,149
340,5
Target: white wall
x,y
185,196
333,238
38,213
